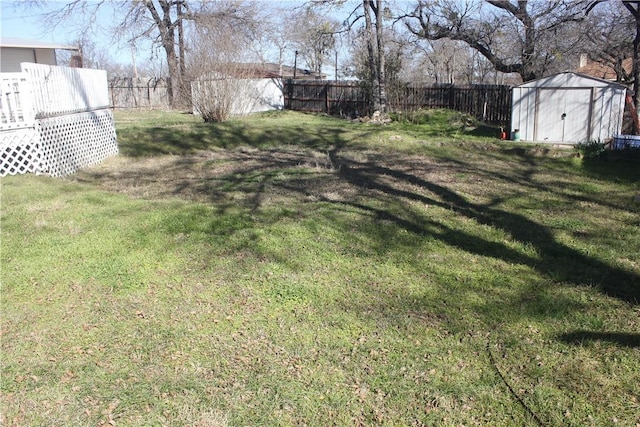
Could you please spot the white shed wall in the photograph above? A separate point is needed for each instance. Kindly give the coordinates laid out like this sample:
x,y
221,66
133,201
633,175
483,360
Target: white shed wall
x,y
608,111
267,94
523,112
247,95
567,108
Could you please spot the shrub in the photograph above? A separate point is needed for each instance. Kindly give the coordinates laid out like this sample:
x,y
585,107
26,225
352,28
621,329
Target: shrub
x,y
591,149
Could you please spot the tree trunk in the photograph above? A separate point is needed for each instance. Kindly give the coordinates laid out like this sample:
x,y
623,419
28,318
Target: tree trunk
x,y
184,90
370,54
167,39
634,8
382,82
375,53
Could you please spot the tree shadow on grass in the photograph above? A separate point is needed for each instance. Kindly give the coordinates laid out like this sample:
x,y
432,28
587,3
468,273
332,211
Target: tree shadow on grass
x,y
626,168
375,181
622,339
184,139
554,259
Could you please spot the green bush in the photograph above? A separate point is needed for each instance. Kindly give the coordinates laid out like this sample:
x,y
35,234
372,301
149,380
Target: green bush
x,y
591,149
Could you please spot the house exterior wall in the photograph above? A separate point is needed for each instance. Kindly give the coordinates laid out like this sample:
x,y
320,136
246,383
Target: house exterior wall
x,y
567,108
46,56
11,57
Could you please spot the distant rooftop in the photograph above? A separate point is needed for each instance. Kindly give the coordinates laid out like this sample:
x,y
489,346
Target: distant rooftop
x,y
268,70
33,44
602,71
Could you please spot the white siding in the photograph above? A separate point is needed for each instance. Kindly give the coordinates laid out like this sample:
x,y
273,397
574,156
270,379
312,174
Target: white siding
x,y
45,56
563,114
608,109
12,57
524,112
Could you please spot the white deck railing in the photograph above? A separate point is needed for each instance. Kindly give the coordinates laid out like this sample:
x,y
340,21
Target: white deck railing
x,y
16,110
64,90
54,120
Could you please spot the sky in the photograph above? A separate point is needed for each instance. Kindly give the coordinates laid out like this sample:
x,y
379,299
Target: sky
x,y
19,20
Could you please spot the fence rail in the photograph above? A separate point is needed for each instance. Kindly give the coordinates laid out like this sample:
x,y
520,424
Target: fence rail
x,y
131,92
490,103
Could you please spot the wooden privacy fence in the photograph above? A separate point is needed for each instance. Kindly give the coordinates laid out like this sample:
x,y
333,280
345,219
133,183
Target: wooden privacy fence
x,y
490,103
133,92
55,120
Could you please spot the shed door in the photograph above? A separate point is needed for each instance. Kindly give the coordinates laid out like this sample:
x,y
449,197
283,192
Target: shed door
x,y
564,115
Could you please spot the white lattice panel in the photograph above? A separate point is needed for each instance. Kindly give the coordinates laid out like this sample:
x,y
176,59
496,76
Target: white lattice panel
x,y
69,143
19,152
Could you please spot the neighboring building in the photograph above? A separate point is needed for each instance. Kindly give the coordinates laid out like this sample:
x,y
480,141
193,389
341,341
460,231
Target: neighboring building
x,y
602,71
567,108
14,51
245,88
270,70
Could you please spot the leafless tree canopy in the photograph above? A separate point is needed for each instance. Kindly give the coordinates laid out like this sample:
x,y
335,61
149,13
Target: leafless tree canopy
x,y
443,41
314,37
530,38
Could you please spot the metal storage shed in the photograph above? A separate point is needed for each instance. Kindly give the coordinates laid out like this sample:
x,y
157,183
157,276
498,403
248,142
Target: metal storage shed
x,y
567,108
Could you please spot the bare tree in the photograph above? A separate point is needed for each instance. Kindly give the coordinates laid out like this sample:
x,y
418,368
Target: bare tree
x,y
438,61
314,37
373,12
92,56
634,8
226,74
166,22
273,42
610,37
523,37
155,19
374,39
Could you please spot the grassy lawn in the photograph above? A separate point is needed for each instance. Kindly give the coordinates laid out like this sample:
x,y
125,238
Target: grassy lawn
x,y
293,269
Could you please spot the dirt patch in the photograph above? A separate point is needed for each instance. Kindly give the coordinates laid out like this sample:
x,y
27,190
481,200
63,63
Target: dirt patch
x,y
252,177
218,176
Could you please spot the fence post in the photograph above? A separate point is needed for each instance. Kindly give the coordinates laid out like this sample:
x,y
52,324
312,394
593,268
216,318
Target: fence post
x,y
452,97
289,92
326,97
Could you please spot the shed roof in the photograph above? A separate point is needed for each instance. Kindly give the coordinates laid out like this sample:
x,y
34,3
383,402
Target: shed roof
x,y
570,79
33,44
